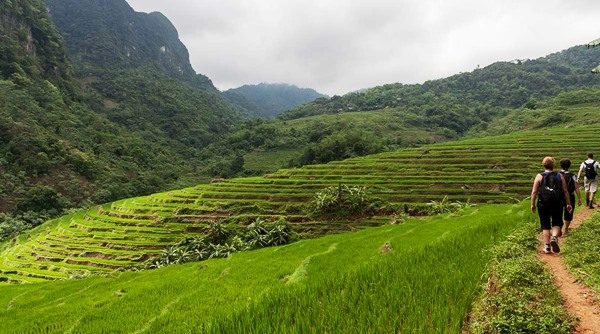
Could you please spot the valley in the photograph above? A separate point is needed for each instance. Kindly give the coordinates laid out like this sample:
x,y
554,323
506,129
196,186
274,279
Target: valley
x,y
137,197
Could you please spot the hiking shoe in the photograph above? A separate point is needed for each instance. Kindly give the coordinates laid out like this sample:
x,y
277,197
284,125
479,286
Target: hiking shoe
x,y
554,245
547,249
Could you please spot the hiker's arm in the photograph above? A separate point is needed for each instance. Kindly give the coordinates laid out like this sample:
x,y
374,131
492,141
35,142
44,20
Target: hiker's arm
x,y
579,173
566,192
534,191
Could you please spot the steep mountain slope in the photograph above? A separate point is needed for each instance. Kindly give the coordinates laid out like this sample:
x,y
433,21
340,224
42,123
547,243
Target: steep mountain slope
x,y
58,147
109,34
269,100
480,170
137,64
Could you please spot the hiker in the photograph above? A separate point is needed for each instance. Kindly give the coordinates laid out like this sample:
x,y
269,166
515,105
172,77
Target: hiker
x,y
590,183
549,190
572,189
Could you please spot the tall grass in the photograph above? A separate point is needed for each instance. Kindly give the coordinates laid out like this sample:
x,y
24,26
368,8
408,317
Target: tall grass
x,y
426,290
342,282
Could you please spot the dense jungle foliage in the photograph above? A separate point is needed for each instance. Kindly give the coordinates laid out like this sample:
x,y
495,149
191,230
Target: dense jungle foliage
x,y
69,145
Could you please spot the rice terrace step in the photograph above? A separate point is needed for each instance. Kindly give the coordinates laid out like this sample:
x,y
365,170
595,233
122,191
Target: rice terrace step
x,y
117,235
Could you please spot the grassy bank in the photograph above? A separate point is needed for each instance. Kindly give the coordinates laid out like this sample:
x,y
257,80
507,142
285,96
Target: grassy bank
x,y
426,281
582,251
519,295
480,170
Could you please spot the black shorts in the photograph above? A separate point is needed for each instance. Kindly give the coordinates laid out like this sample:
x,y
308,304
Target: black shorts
x,y
550,216
568,216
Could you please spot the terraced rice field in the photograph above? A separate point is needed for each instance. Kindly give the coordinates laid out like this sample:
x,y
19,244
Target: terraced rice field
x,y
115,236
433,265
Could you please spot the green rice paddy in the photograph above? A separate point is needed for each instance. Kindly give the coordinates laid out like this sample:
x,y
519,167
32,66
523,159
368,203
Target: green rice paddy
x,y
431,270
124,233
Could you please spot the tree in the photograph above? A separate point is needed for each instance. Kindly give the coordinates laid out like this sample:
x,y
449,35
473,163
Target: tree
x,y
594,44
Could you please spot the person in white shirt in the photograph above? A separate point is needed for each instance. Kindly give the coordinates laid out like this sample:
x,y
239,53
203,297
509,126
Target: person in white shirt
x,y
590,169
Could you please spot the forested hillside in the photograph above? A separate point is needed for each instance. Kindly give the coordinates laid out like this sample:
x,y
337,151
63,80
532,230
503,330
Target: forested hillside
x,y
407,115
64,144
137,64
458,102
109,35
269,100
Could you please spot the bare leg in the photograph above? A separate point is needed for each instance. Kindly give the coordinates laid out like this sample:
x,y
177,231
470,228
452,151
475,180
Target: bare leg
x,y
555,231
566,227
592,198
546,236
587,198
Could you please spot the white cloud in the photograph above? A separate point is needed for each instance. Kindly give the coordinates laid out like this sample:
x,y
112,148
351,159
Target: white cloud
x,y
336,46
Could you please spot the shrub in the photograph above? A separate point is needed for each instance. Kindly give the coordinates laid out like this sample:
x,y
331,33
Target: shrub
x,y
258,235
344,201
221,242
42,199
445,206
12,225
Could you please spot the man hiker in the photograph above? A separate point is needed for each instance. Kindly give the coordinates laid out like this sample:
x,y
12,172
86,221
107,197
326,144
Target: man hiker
x,y
590,167
549,190
572,188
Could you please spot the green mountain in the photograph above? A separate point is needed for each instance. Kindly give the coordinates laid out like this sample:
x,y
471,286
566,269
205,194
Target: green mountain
x,y
269,100
394,116
72,140
110,35
465,100
138,65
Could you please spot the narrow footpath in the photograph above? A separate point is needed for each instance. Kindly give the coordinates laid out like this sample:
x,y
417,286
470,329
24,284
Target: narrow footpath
x,y
581,301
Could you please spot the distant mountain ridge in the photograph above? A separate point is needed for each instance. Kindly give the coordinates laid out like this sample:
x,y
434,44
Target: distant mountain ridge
x,y
499,85
270,99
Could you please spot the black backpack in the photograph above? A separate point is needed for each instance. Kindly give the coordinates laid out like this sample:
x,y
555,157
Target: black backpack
x,y
551,192
570,182
590,170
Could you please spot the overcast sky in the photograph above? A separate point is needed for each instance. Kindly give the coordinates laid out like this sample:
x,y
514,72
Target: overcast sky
x,y
337,46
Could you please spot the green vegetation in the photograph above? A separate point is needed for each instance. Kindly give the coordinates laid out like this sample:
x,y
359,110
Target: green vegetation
x,y
128,131
519,296
221,241
467,99
569,109
581,250
268,146
343,201
432,265
269,100
479,170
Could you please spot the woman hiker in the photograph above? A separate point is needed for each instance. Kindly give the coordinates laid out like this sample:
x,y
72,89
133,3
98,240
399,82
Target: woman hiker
x,y
547,194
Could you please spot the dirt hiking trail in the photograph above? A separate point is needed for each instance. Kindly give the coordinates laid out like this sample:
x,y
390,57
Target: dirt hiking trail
x,y
581,301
